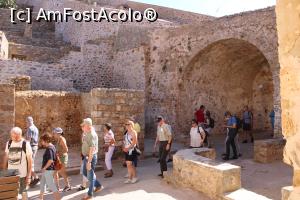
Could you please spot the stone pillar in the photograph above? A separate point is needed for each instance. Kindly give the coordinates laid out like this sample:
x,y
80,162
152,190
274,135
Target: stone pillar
x,y
288,25
7,114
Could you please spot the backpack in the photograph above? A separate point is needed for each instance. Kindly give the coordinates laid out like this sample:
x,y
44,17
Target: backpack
x,y
56,161
23,149
238,123
211,123
23,145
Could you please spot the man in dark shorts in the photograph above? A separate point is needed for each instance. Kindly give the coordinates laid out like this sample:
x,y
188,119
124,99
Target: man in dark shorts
x,y
247,124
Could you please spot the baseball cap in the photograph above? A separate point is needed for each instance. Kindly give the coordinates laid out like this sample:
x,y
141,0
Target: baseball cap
x,y
58,130
87,121
29,119
159,118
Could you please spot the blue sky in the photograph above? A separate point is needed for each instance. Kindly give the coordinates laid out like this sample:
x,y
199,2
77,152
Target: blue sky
x,y
215,8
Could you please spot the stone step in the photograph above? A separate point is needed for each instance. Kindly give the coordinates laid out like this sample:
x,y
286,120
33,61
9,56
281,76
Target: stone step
x,y
243,194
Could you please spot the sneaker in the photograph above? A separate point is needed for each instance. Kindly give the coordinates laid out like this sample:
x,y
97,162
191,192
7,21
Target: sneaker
x,y
234,158
98,189
134,180
67,188
81,188
126,176
127,181
34,182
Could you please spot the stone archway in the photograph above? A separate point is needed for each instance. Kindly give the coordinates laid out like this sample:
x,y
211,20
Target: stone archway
x,y
226,75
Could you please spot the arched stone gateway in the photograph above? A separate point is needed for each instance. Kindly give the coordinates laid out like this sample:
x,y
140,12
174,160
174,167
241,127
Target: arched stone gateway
x,y
227,75
239,50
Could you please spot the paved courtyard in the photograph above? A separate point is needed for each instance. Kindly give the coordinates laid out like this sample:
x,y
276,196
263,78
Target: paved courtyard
x,y
256,177
150,186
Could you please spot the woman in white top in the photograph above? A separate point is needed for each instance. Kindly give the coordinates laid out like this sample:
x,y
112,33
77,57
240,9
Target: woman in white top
x,y
197,135
130,141
109,147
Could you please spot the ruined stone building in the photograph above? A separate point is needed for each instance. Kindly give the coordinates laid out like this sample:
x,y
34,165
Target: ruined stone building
x,y
168,67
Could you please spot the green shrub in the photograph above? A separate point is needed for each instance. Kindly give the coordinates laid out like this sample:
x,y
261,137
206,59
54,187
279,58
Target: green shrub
x,y
7,3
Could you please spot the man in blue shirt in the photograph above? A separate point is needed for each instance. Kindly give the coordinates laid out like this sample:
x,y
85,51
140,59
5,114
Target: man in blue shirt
x,y
232,131
32,136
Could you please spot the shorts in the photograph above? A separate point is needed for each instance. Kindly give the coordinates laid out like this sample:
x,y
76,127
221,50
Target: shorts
x,y
47,179
64,159
246,127
132,157
23,187
34,151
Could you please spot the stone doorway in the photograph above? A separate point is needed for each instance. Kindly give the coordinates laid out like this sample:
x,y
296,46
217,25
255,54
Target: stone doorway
x,y
227,75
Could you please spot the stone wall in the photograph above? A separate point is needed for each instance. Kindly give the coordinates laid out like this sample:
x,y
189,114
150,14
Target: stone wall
x,y
115,106
49,110
43,76
129,69
7,114
21,83
288,25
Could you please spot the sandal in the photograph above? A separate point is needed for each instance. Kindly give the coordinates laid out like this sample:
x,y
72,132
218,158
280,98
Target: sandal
x,y
67,188
81,188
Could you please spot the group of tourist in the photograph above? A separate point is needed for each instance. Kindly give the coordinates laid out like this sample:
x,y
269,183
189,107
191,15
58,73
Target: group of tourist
x,y
203,124
21,150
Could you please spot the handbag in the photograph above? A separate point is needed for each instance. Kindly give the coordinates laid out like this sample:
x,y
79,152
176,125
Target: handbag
x,y
137,151
57,163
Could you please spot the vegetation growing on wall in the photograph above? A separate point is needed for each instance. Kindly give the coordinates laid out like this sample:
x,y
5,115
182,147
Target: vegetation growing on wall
x,y
7,3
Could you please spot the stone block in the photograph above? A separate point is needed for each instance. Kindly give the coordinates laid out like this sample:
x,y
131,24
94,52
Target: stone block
x,y
243,194
286,192
267,151
204,174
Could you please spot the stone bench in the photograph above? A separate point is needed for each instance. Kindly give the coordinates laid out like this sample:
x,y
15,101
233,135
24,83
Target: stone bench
x,y
267,151
203,174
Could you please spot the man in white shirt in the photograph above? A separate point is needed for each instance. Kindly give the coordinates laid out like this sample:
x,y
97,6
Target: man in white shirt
x,y
18,155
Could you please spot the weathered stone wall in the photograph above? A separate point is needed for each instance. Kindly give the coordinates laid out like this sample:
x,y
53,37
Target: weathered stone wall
x,y
7,114
21,83
49,110
288,25
115,106
44,76
174,53
129,69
